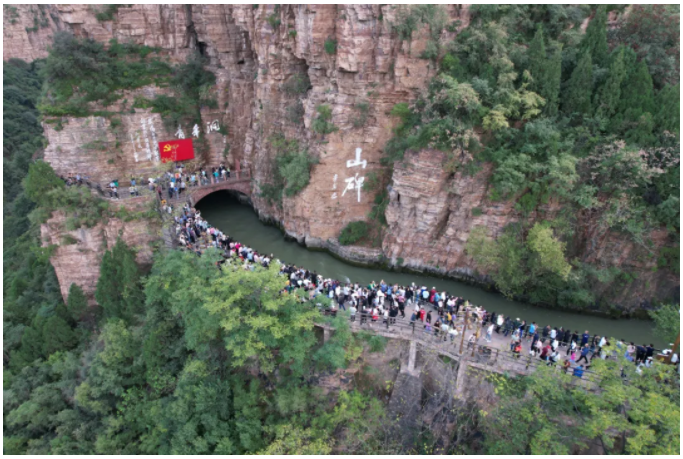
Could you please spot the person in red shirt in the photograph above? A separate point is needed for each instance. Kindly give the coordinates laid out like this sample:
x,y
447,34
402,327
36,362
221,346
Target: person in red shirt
x,y
545,352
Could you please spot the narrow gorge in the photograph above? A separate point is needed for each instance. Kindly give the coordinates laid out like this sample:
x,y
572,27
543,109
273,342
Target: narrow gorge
x,y
321,81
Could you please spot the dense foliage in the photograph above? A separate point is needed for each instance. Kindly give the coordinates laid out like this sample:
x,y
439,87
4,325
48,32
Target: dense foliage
x,y
589,121
550,412
291,172
80,72
200,361
353,232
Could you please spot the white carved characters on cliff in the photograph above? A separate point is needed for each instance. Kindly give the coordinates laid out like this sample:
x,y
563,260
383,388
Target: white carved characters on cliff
x,y
179,133
195,131
355,182
334,186
213,126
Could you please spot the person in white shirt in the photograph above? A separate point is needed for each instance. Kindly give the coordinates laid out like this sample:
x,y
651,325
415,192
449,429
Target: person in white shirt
x,y
489,331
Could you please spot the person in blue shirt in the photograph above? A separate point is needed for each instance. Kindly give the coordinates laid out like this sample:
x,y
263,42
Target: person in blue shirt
x,y
584,353
578,371
584,338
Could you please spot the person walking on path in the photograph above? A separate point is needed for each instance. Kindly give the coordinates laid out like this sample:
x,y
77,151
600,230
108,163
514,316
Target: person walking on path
x,y
488,333
584,354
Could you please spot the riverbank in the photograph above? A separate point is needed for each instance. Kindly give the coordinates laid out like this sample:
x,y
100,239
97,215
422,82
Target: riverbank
x,y
242,222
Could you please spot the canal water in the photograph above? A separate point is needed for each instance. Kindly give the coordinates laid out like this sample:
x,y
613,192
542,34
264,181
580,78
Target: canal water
x,y
242,224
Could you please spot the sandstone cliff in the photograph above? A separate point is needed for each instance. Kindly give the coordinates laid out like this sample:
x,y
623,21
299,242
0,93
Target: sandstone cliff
x,y
79,253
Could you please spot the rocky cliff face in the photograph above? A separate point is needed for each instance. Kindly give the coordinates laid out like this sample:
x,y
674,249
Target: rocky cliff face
x,y
79,253
254,51
431,215
351,59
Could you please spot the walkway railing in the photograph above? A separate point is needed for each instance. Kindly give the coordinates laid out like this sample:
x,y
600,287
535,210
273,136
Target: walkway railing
x,y
143,189
458,346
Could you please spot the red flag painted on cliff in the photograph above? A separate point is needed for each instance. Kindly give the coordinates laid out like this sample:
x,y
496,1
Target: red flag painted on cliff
x,y
176,150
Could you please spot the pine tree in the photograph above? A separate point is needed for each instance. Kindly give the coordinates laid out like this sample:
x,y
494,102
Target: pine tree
x,y
538,61
635,114
30,349
610,93
668,107
118,288
133,297
639,98
107,291
57,336
577,97
77,302
551,91
595,40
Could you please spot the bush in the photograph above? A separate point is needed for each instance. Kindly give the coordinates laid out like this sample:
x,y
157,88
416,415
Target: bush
x,y
274,21
330,46
353,232
297,84
295,112
322,124
477,212
292,171
108,13
362,114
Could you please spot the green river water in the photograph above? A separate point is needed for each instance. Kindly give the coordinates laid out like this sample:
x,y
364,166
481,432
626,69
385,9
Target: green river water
x,y
242,224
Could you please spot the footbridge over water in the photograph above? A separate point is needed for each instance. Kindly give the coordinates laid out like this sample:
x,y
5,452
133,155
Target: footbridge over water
x,y
470,357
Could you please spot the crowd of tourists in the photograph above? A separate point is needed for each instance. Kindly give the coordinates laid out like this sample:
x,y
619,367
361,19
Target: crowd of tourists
x,y
435,312
174,183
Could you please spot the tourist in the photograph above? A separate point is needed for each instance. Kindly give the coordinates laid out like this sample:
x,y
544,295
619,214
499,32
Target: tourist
x,y
489,331
578,371
584,353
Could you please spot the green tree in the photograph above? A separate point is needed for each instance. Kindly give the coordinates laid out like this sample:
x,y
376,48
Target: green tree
x,y
637,106
610,93
538,62
548,252
550,412
551,91
76,303
667,108
577,97
57,336
31,349
595,40
40,182
236,302
667,322
118,288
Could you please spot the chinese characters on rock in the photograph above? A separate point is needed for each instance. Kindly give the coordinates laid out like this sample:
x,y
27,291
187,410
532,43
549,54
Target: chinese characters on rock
x,y
355,182
151,149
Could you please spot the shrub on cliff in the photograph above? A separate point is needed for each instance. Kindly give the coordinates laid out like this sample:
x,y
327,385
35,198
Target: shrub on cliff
x,y
353,232
322,123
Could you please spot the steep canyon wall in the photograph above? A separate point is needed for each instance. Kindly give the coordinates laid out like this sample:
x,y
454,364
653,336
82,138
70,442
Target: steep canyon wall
x,y
351,57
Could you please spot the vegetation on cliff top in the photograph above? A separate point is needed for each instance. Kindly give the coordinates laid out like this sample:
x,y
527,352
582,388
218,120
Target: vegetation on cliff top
x,y
82,72
589,120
